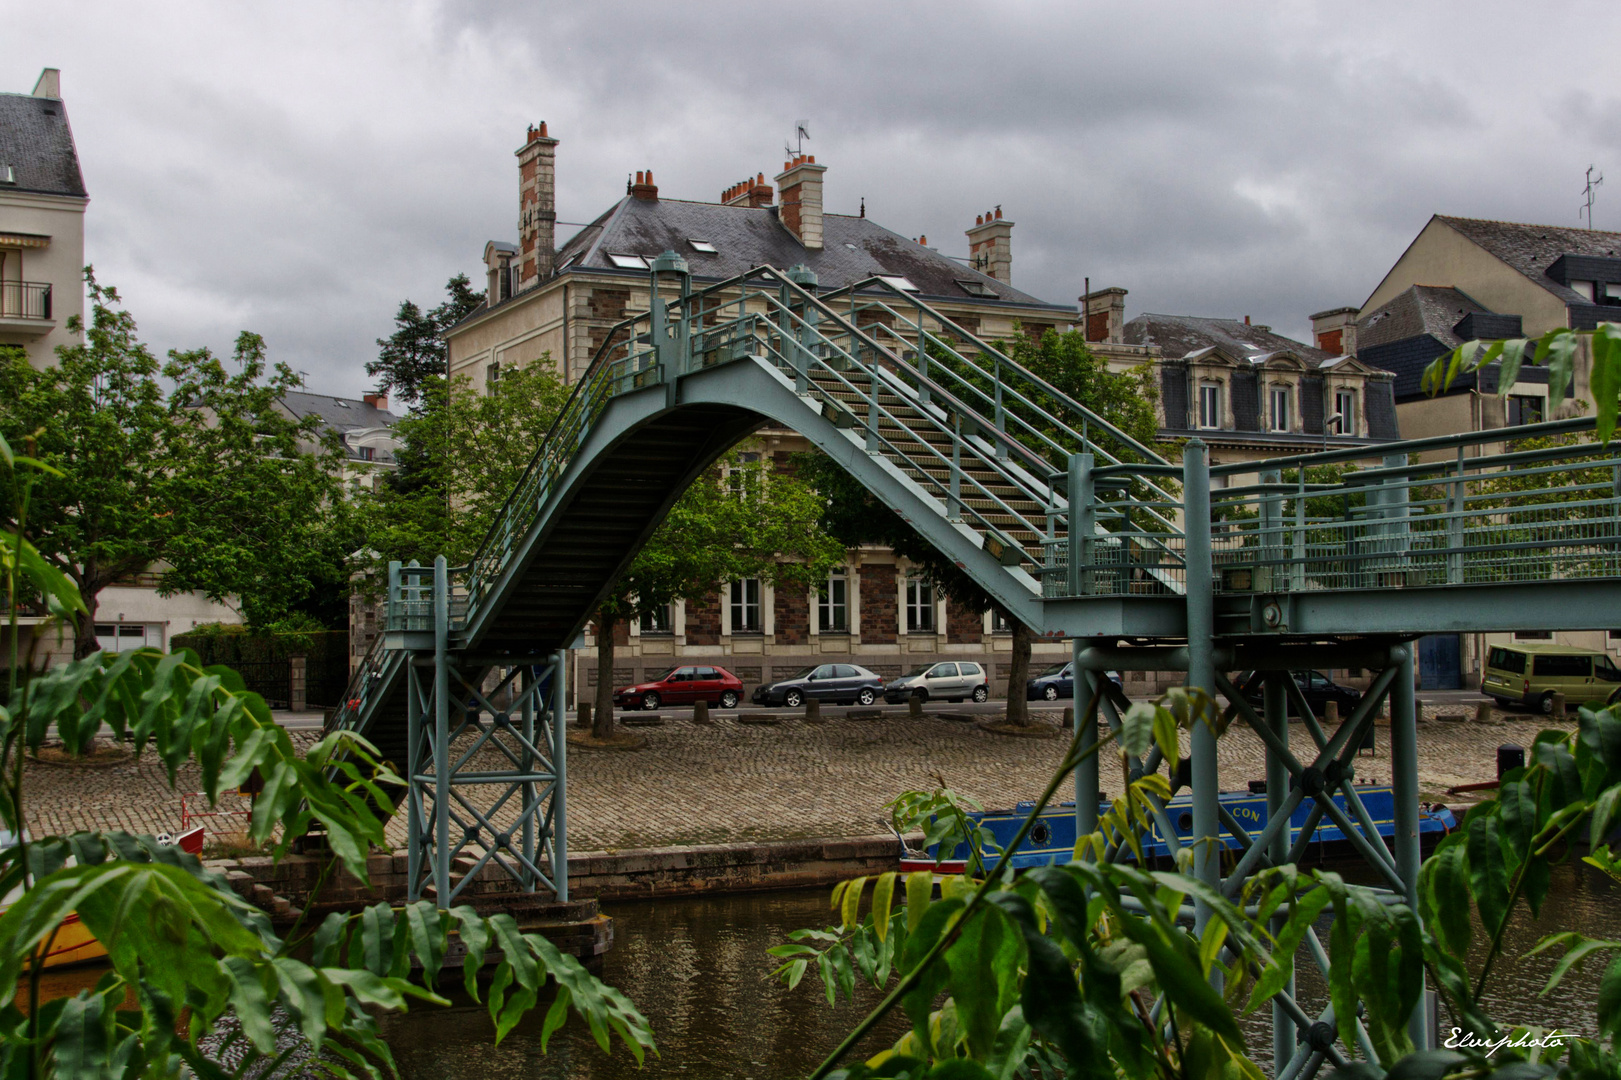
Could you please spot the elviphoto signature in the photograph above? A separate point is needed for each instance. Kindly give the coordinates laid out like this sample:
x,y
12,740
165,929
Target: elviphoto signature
x,y
1468,1040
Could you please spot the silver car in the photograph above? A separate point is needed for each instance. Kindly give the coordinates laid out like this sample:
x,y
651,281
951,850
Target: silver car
x,y
951,680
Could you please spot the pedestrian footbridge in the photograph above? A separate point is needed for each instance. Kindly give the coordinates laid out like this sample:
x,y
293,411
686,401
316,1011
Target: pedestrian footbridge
x,y
1081,532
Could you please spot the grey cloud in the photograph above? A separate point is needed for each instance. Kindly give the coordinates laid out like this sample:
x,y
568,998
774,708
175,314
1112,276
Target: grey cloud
x,y
299,170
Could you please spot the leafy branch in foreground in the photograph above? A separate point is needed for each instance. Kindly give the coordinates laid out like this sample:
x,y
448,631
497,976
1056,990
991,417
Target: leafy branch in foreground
x,y
1093,969
1559,349
205,969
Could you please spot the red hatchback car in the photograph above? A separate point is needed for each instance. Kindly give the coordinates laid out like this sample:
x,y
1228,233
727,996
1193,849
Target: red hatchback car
x,y
683,686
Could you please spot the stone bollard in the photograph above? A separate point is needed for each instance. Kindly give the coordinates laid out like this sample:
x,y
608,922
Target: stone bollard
x,y
700,712
297,685
1069,719
813,710
1559,705
584,718
914,705
1331,714
1509,756
1483,712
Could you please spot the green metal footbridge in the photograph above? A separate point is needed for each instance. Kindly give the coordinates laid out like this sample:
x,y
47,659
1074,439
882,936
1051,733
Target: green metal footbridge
x,y
1078,530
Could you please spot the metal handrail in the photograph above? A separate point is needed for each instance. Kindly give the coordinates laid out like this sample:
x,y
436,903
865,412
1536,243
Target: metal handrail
x,y
25,300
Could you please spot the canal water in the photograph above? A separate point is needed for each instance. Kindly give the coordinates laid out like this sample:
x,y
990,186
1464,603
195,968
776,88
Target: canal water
x,y
698,969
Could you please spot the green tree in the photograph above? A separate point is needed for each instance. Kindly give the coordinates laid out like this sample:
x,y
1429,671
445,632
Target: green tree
x,y
741,519
415,353
1065,361
199,963
189,465
461,453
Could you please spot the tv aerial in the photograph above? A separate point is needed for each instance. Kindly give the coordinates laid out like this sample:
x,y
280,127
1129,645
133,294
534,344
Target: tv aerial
x,y
801,133
1587,206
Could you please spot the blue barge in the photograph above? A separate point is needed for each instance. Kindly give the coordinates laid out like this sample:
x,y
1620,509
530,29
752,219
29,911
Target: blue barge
x,y
1052,838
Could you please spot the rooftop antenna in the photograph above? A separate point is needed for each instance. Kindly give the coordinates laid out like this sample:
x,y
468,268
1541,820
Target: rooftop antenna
x,y
1587,208
801,133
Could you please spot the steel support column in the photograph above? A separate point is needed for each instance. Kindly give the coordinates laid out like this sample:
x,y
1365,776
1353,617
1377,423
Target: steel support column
x,y
559,829
1275,705
441,731
1086,734
1404,787
1201,669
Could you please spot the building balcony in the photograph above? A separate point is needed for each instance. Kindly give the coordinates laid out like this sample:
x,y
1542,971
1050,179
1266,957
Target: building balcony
x,y
25,308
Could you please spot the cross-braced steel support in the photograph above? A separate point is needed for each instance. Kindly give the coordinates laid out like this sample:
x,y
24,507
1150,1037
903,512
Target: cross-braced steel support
x,y
488,768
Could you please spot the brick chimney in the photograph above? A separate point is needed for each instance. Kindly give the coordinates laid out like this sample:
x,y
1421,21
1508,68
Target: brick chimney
x,y
1334,331
643,188
537,205
753,193
1105,318
376,400
801,185
990,246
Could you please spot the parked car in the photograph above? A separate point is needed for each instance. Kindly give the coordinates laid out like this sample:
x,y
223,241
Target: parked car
x,y
953,680
834,683
1057,682
1531,674
1318,690
683,686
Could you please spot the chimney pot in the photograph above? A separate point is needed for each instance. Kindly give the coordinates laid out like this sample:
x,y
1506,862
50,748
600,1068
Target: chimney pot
x,y
978,220
759,178
924,240
998,213
1246,320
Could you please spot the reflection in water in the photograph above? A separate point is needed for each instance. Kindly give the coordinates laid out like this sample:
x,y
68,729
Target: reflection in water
x,y
698,969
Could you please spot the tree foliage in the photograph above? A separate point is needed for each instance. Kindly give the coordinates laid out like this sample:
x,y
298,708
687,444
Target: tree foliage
x,y
187,463
1091,969
205,969
410,358
461,454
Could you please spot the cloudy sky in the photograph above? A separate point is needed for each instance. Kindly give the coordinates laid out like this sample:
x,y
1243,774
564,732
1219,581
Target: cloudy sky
x,y
298,169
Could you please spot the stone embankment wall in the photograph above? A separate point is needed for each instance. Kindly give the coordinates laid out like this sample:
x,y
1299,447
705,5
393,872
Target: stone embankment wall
x,y
283,888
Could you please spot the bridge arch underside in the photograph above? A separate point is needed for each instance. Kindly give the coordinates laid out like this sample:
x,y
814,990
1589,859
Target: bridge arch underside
x,y
644,451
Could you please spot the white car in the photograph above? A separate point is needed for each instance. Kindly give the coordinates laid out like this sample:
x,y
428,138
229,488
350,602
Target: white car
x,y
953,680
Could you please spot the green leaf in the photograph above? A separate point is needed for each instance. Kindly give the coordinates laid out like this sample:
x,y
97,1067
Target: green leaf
x,y
850,912
1558,348
1609,1000
1605,379
250,1002
1513,360
83,1045
883,894
1137,728
919,1001
919,892
973,978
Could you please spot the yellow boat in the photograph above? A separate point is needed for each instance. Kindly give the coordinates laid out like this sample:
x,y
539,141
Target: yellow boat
x,y
74,944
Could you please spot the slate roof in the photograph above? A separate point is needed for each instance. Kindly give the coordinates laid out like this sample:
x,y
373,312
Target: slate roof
x,y
1531,249
341,414
745,237
37,143
1422,309
1179,335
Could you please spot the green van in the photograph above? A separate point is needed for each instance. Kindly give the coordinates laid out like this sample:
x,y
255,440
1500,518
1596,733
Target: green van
x,y
1532,674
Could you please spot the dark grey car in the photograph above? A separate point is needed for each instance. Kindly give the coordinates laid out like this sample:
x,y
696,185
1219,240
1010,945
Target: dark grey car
x,y
836,684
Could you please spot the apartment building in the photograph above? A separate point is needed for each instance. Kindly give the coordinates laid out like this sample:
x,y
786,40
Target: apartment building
x,y
559,303
42,205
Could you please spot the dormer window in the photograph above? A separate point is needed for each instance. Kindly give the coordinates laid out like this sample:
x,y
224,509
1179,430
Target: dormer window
x,y
1210,405
1345,406
1278,408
